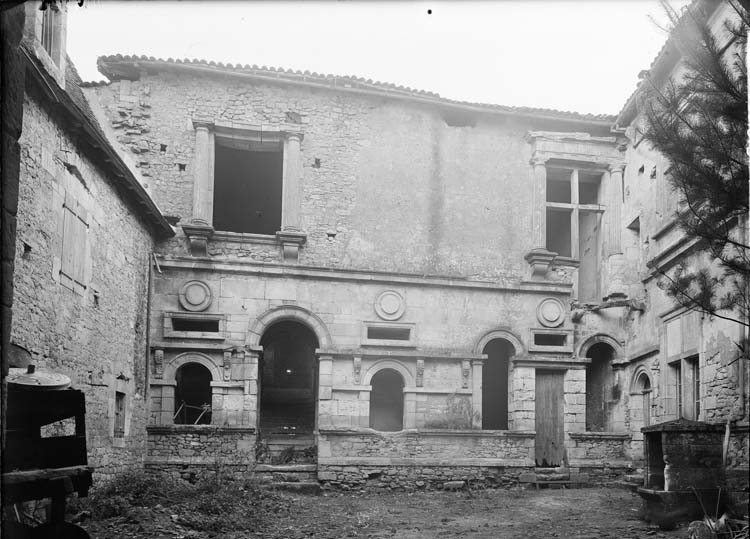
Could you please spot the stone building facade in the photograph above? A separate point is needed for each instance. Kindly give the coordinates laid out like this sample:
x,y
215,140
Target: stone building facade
x,y
391,286
85,234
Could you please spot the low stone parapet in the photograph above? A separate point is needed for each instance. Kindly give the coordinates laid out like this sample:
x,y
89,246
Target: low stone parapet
x,y
200,445
599,450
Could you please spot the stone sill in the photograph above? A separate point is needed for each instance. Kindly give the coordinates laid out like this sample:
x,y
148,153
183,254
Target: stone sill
x,y
431,432
599,436
198,429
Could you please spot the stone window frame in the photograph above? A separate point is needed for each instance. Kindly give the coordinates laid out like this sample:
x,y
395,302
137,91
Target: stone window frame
x,y
406,343
686,359
290,237
645,394
574,206
171,333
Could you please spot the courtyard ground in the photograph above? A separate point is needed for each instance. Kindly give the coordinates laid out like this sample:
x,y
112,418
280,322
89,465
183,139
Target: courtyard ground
x,y
590,513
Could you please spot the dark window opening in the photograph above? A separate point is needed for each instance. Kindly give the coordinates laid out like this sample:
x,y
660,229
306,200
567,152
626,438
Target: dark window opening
x,y
600,390
387,401
693,400
495,384
163,147
193,395
247,189
288,372
119,414
187,324
389,334
676,386
181,167
558,185
457,118
588,187
543,339
643,384
558,232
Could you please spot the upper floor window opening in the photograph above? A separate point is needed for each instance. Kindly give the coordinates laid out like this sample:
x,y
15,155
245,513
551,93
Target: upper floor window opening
x,y
248,174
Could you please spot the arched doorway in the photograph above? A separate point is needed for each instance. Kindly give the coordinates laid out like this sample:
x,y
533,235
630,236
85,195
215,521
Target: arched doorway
x,y
192,395
387,401
495,384
601,393
288,379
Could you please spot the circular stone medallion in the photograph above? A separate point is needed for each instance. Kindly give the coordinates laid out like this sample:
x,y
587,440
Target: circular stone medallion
x,y
390,305
551,312
195,296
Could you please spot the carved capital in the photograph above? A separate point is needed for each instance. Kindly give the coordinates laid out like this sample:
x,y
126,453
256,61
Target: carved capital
x,y
294,135
291,241
203,123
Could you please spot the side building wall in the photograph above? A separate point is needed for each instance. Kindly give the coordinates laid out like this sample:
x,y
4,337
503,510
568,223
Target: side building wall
x,y
81,285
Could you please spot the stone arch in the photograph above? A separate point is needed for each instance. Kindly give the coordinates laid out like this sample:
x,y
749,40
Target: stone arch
x,y
170,369
634,381
586,345
500,333
288,312
389,364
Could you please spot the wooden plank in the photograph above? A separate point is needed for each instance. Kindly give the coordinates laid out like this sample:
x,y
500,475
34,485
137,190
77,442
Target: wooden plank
x,y
549,418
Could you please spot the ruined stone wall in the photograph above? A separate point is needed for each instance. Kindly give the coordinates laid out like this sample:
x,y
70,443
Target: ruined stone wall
x,y
207,445
96,335
425,176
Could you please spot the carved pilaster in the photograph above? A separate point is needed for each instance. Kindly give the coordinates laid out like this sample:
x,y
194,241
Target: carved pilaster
x,y
357,370
465,373
158,363
420,372
227,366
202,188
539,215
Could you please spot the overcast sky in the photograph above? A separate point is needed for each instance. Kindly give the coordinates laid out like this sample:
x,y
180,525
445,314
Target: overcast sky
x,y
582,56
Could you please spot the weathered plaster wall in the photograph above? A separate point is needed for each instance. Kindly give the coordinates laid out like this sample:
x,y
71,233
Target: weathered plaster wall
x,y
397,185
97,337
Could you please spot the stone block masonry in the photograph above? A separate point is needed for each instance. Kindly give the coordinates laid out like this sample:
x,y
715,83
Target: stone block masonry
x,y
95,330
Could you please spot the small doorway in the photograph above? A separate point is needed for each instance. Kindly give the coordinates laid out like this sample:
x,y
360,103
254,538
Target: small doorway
x,y
387,401
600,389
549,418
495,384
288,379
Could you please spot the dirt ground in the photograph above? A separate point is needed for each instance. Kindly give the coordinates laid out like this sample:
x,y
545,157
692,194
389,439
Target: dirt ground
x,y
590,513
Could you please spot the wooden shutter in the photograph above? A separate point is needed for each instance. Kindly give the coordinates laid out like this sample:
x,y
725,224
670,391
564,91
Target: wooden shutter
x,y
74,259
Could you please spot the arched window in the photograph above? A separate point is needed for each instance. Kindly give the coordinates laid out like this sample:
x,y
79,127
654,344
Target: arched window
x,y
387,401
495,384
600,390
643,386
193,395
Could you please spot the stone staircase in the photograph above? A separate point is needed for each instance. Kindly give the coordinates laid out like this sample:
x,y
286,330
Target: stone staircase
x,y
302,478
551,478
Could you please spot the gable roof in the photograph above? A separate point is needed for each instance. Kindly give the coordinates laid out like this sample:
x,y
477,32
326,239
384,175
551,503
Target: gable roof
x,y
117,67
75,107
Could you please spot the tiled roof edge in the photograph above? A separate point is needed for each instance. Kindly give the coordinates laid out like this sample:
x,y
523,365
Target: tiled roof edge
x,y
108,66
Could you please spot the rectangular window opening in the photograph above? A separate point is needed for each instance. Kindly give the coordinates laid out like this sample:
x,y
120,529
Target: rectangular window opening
x,y
558,231
119,414
203,326
247,186
588,187
558,185
542,339
389,334
50,32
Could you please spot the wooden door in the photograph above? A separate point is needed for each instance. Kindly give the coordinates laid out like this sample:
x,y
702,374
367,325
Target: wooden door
x,y
549,418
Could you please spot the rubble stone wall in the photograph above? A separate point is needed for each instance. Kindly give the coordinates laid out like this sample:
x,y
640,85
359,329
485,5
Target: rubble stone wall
x,y
200,444
96,335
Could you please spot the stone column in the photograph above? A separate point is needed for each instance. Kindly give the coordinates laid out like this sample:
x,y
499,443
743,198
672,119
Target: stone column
x,y
202,188
476,392
290,210
251,405
167,403
539,215
616,259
